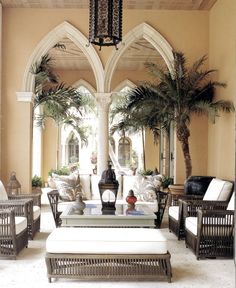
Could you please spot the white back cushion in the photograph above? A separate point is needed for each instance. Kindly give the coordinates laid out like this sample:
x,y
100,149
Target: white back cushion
x,y
85,182
218,190
95,190
3,192
231,203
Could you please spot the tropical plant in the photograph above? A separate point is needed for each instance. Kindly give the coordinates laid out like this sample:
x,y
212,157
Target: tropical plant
x,y
64,170
37,181
124,121
145,172
174,97
62,103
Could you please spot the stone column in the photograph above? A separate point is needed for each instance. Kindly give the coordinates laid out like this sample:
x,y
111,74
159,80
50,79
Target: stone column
x,y
0,88
23,165
103,101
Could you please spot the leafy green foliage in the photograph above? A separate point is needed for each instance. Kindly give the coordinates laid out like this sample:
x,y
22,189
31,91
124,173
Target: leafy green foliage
x,y
64,170
166,181
62,103
37,181
172,99
146,172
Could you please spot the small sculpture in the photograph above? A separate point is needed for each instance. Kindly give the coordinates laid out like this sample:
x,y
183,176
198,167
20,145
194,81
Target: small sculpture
x,y
79,205
131,199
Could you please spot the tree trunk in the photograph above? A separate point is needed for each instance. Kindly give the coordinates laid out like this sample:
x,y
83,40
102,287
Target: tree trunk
x,y
144,156
183,134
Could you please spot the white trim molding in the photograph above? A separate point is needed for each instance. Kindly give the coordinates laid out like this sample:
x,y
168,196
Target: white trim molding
x,y
141,31
65,29
24,96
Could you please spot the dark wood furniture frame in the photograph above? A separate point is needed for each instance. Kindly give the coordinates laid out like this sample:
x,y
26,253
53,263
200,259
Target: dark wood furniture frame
x,y
33,225
10,243
109,267
192,204
177,227
215,234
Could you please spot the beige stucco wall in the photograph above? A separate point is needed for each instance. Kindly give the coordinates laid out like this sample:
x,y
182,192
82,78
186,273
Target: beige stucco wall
x,y
24,28
221,150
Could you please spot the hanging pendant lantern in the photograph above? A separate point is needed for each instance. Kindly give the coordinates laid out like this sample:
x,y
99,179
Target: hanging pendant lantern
x,y
105,27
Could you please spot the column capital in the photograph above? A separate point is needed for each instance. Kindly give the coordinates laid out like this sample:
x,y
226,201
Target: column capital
x,y
103,99
24,96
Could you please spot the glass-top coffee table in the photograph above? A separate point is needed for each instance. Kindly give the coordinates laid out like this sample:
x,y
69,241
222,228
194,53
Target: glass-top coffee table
x,y
141,216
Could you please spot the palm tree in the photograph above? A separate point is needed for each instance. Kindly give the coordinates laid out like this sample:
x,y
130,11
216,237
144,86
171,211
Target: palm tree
x,y
127,122
174,97
64,104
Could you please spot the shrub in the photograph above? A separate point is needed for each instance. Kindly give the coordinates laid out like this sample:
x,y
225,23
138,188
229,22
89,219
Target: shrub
x,y
37,181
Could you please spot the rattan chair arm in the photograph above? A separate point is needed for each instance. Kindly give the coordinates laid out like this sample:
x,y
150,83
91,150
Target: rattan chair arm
x,y
53,197
176,198
7,223
209,221
22,207
191,207
35,196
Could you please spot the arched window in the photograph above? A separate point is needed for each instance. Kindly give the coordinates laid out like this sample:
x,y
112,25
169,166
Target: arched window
x,y
73,150
124,152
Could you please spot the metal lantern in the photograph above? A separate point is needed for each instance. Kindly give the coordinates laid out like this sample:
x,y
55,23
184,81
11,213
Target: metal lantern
x,y
105,22
13,186
108,189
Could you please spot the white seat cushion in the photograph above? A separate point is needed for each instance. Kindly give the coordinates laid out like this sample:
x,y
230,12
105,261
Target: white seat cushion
x,y
36,212
174,212
231,203
218,190
106,240
20,224
191,224
3,192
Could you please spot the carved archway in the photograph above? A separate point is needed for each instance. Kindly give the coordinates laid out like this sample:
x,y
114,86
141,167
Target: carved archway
x,y
141,31
54,36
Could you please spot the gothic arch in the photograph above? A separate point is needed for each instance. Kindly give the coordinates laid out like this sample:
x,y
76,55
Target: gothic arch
x,y
65,29
141,31
86,84
123,84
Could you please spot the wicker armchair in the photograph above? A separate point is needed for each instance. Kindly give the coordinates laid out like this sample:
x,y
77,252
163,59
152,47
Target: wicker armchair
x,y
210,233
53,197
176,210
13,233
33,209
175,213
34,224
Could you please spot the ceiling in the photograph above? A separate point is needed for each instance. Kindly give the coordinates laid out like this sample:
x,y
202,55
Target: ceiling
x,y
134,57
67,55
128,4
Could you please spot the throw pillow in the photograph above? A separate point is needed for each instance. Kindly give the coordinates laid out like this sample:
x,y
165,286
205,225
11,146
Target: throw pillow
x,y
142,189
68,187
3,192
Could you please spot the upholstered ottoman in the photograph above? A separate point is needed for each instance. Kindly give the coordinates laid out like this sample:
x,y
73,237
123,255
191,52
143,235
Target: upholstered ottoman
x,y
107,253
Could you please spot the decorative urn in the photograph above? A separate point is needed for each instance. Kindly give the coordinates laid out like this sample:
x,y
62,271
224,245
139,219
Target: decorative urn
x,y
131,199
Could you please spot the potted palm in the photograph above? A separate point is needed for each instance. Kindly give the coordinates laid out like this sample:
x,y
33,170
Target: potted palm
x,y
37,183
173,98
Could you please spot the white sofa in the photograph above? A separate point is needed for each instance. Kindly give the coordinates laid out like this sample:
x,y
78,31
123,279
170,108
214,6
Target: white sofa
x,y
140,185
